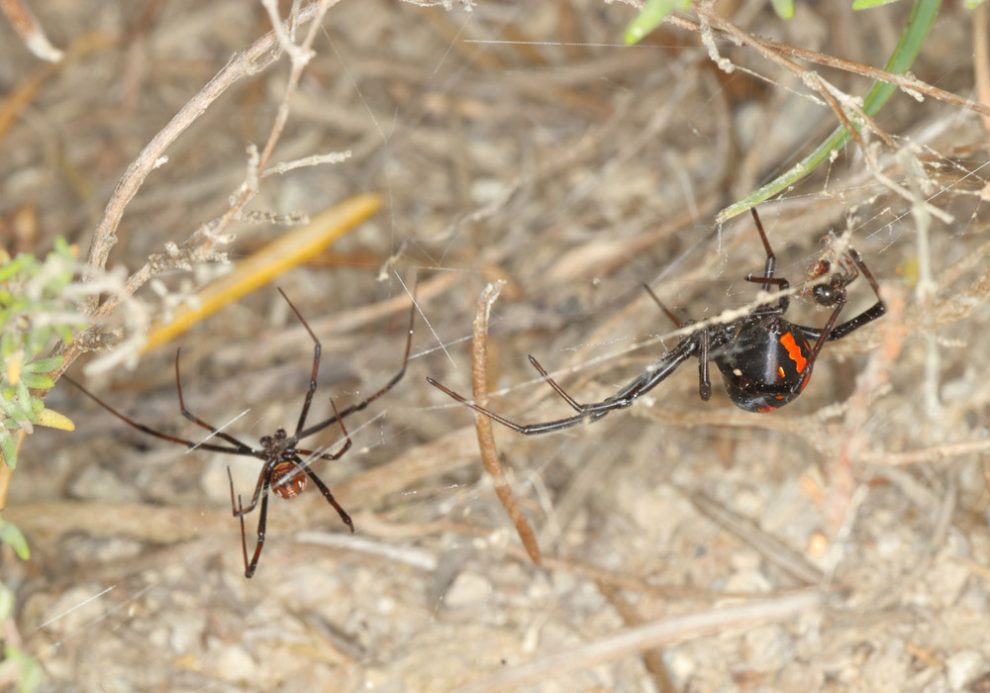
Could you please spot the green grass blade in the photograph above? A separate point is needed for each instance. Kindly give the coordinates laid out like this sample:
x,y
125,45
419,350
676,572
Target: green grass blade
x,y
919,23
650,17
869,4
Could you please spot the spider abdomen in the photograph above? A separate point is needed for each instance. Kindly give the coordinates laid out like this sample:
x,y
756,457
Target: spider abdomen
x,y
288,480
766,364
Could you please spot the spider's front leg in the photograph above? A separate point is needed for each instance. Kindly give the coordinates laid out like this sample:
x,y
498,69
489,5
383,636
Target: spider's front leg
x,y
832,333
870,314
314,369
243,448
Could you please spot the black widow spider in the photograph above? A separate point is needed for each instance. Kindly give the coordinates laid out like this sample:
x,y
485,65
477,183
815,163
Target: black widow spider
x,y
766,361
284,471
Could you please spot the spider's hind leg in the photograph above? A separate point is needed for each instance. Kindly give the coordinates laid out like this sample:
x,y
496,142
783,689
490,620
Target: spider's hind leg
x,y
237,508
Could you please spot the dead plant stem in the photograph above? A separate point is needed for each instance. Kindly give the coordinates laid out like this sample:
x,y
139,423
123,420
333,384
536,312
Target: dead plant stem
x,y
483,425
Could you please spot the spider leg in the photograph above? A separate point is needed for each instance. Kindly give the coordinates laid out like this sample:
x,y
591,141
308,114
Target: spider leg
x,y
575,405
526,429
658,373
331,455
317,351
239,511
261,486
867,316
588,412
823,335
347,411
240,516
195,419
329,496
158,434
704,379
262,522
667,311
782,285
771,258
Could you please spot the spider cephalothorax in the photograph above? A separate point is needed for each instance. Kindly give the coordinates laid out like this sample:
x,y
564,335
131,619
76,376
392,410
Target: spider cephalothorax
x,y
765,360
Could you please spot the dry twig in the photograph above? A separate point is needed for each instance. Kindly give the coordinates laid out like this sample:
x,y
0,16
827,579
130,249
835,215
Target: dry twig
x,y
483,425
664,632
200,246
907,83
29,30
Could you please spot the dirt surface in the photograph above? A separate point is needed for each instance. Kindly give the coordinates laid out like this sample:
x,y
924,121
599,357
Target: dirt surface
x,y
840,543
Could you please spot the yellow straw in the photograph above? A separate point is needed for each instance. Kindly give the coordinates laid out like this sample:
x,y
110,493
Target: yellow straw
x,y
269,262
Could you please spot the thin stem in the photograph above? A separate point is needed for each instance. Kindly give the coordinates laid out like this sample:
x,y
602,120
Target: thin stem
x,y
919,23
483,424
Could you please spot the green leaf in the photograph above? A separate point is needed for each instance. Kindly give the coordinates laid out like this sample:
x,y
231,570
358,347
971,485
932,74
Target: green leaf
x,y
650,17
784,8
15,266
867,4
972,4
37,382
8,448
12,536
9,406
43,365
24,400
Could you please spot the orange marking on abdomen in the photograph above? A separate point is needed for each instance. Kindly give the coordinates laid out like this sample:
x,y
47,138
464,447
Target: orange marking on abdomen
x,y
794,351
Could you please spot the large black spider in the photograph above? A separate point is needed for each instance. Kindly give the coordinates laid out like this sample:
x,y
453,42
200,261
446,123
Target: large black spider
x,y
766,361
286,468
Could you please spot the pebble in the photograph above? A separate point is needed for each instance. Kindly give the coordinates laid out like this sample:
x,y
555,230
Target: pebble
x,y
469,588
963,667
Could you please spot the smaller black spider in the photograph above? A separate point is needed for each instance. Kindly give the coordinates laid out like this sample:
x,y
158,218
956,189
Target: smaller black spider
x,y
286,468
766,360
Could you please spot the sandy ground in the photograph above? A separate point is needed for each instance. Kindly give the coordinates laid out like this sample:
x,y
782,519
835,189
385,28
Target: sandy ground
x,y
838,544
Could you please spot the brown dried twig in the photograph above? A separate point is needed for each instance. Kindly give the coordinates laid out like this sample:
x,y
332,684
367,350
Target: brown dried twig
x,y
199,247
907,83
29,30
653,660
664,632
245,64
483,425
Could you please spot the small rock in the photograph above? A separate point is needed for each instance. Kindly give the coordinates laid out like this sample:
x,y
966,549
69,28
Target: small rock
x,y
234,664
963,667
469,588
